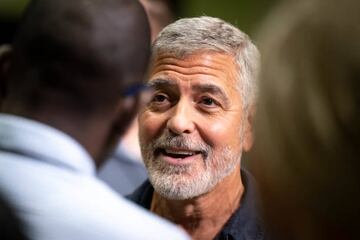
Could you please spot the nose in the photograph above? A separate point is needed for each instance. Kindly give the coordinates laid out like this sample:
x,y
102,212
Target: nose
x,y
181,119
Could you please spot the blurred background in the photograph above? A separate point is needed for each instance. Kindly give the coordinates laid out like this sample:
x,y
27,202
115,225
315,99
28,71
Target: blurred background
x,y
10,11
245,14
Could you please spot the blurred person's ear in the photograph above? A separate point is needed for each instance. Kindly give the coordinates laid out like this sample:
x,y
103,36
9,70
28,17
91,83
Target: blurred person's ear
x,y
124,114
5,52
248,134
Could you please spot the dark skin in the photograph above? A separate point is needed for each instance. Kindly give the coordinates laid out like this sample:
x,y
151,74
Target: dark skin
x,y
81,69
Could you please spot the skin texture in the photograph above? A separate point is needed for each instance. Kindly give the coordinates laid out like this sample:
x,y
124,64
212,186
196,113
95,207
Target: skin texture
x,y
196,109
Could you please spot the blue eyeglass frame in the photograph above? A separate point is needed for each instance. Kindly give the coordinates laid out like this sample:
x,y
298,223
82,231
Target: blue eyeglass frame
x,y
135,89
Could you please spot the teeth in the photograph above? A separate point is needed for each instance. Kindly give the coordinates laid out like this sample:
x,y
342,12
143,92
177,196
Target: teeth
x,y
179,152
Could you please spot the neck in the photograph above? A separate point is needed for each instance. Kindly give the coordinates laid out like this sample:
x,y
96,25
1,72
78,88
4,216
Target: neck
x,y
204,216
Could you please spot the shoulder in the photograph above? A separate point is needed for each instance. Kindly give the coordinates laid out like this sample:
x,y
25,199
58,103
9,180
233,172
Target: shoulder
x,y
90,210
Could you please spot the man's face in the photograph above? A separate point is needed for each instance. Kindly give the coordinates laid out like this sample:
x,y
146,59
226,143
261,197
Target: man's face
x,y
192,131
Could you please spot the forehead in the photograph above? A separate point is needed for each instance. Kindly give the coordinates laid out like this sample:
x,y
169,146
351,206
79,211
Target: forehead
x,y
204,67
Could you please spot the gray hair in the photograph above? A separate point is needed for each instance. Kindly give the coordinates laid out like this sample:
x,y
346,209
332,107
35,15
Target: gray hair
x,y
192,35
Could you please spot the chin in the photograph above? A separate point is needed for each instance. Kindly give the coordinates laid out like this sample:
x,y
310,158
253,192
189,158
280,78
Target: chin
x,y
181,182
181,186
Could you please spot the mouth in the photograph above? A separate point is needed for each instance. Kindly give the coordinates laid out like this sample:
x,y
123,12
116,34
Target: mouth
x,y
178,156
178,153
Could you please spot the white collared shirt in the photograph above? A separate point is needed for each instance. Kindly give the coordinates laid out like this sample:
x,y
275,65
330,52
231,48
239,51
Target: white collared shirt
x,y
50,180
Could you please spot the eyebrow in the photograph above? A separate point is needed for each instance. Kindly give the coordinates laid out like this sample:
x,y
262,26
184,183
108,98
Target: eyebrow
x,y
161,83
212,89
202,88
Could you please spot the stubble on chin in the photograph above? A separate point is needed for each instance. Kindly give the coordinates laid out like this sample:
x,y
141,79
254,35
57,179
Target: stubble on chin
x,y
188,181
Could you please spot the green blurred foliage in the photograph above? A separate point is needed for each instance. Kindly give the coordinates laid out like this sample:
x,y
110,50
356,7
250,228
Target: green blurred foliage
x,y
245,14
12,9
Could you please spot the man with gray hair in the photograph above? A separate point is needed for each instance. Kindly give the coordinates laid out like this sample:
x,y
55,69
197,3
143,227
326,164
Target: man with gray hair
x,y
196,126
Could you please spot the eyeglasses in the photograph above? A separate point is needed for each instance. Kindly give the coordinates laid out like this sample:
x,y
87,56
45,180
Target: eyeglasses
x,y
136,89
139,94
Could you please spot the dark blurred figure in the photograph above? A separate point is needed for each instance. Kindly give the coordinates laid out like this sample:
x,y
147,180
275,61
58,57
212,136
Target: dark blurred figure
x,y
8,28
9,20
71,90
11,227
308,123
7,32
5,51
160,13
125,170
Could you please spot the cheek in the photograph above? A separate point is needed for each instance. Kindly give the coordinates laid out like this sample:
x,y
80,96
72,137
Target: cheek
x,y
149,126
223,133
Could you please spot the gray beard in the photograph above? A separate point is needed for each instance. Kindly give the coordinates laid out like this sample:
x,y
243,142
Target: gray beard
x,y
176,182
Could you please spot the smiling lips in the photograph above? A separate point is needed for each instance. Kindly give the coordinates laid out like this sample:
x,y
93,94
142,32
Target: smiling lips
x,y
178,156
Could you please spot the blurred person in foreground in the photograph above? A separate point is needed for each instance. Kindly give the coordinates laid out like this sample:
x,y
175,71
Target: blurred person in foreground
x,y
195,128
10,15
11,228
308,123
125,170
70,93
5,50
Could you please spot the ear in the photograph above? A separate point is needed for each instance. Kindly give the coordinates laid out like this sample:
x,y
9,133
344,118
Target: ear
x,y
121,117
5,53
248,137
125,113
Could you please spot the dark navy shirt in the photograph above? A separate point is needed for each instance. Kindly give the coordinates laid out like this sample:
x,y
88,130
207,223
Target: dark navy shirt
x,y
244,224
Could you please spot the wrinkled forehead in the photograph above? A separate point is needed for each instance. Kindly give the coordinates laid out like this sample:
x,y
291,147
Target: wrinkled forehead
x,y
201,67
198,74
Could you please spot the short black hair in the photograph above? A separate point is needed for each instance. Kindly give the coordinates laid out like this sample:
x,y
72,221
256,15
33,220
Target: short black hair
x,y
78,54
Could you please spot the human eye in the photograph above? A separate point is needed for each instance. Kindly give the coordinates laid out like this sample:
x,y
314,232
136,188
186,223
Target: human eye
x,y
209,102
159,98
159,101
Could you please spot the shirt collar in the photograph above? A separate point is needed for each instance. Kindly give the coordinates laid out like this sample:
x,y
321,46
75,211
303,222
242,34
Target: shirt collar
x,y
245,223
43,143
